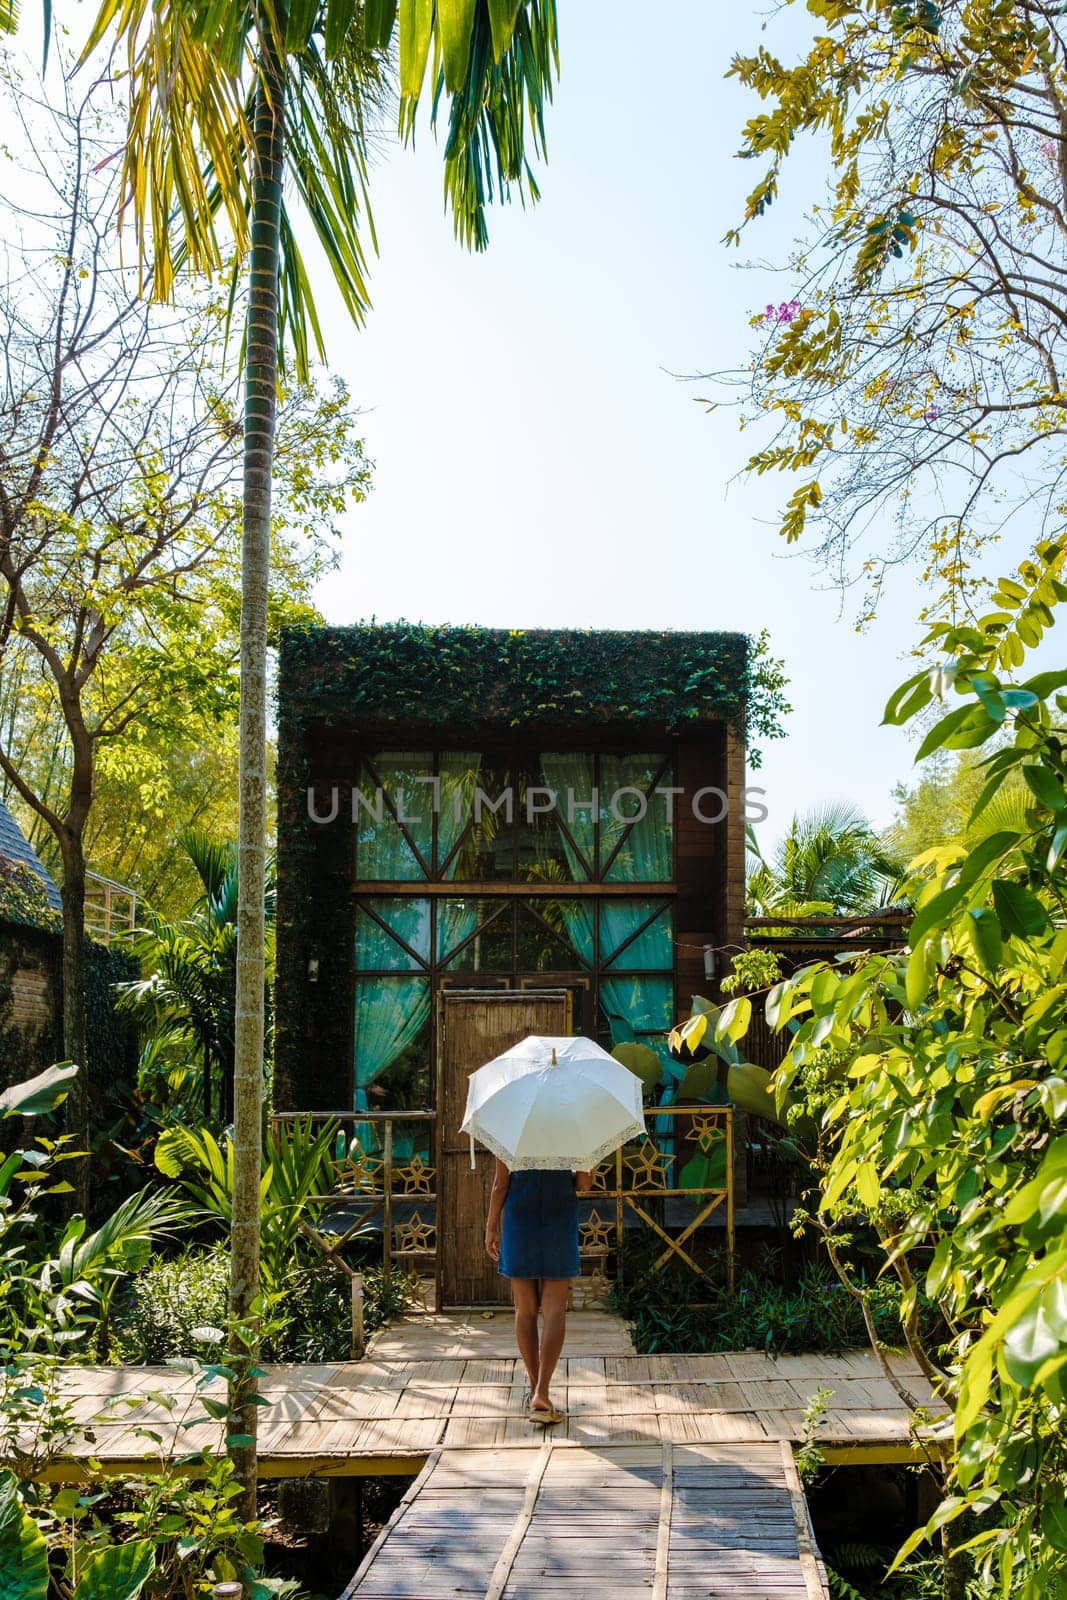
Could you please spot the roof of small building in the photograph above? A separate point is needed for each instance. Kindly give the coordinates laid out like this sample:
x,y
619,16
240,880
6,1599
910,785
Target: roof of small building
x,y
418,675
14,846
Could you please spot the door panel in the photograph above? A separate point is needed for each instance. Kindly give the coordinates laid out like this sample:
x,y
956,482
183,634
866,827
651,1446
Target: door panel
x,y
472,1029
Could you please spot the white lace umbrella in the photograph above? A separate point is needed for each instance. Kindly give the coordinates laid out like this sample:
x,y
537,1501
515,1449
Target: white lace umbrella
x,y
553,1103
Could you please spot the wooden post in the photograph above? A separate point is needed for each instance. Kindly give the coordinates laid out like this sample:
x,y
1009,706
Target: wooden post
x,y
387,1209
618,1214
358,1344
730,1262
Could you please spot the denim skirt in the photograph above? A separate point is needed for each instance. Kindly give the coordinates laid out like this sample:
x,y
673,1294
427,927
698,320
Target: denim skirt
x,y
539,1229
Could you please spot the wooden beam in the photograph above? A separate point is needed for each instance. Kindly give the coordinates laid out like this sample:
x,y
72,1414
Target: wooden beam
x,y
506,1559
663,1536
485,889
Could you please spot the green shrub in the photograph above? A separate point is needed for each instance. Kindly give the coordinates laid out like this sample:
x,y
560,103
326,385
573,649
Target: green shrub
x,y
169,1302
678,1312
172,1300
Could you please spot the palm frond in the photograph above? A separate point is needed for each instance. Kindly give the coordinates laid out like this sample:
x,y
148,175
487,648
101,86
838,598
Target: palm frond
x,y
186,117
496,116
124,1241
215,862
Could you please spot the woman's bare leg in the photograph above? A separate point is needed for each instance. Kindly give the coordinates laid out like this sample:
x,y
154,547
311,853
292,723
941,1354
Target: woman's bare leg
x,y
524,1294
554,1328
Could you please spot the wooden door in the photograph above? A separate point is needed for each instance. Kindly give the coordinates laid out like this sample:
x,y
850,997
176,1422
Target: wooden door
x,y
472,1029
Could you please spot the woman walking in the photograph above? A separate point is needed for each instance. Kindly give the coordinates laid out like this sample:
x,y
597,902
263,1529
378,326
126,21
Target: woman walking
x,y
531,1233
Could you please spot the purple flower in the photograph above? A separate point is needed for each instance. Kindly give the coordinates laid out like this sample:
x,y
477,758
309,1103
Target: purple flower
x,y
785,311
932,413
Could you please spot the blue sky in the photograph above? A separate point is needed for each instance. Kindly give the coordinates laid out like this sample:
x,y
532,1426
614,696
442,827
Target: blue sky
x,y
537,464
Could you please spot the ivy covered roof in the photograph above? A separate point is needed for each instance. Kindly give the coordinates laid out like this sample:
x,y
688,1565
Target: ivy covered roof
x,y
414,675
16,849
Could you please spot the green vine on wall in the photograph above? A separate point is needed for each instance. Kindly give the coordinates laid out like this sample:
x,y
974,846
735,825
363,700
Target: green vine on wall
x,y
24,899
407,674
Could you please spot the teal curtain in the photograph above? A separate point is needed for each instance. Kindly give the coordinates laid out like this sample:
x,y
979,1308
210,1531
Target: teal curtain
x,y
382,850
563,770
390,1015
652,946
459,772
408,918
645,853
630,1004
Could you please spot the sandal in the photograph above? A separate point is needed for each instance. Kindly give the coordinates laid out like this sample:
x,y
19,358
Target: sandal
x,y
546,1416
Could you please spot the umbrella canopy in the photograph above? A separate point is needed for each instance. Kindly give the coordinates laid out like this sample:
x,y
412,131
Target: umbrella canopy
x,y
553,1103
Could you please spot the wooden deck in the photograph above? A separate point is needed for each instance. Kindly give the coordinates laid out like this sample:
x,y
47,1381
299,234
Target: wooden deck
x,y
452,1381
677,1522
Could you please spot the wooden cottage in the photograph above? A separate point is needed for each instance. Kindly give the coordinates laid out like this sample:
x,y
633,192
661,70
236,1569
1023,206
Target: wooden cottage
x,y
484,833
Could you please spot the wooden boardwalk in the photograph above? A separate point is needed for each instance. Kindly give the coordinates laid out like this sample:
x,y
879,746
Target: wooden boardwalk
x,y
674,1522
452,1381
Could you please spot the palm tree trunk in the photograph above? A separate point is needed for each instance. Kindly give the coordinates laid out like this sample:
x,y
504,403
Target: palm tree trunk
x,y
261,373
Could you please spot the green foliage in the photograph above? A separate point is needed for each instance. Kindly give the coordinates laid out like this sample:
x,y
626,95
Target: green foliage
x,y
751,971
809,1458
39,1095
643,1062
55,1293
118,1572
917,386
174,1307
408,674
298,1167
23,897
831,861
942,1087
189,985
23,1552
936,809
815,1314
177,1307
182,1533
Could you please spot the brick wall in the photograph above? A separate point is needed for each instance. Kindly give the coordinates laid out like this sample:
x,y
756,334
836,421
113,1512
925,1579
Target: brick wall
x,y
30,992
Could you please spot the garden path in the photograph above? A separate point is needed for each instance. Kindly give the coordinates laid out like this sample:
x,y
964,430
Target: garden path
x,y
451,1380
559,1522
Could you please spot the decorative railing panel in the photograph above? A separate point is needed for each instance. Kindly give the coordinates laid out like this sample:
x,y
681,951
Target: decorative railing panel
x,y
382,1177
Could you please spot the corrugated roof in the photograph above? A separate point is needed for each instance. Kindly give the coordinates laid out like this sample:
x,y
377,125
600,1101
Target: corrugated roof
x,y
14,846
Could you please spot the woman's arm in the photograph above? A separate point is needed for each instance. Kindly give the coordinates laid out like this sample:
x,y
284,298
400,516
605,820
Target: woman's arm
x,y
497,1196
583,1182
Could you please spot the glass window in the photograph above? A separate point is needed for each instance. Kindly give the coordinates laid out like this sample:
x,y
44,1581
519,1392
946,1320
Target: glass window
x,y
653,946
480,819
637,1004
490,922
392,1043
635,833
460,778
543,942
381,948
565,835
393,815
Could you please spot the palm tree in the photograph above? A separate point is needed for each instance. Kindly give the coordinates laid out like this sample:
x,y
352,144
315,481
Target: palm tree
x,y
830,861
191,985
228,99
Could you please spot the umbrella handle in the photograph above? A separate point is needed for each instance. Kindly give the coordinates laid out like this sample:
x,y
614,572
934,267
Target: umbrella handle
x,y
474,1164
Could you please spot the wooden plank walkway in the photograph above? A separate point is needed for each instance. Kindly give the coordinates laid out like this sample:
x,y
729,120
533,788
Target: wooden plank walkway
x,y
674,1522
453,1381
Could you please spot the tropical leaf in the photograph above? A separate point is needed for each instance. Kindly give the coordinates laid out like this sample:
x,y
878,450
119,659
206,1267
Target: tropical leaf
x,y
23,1551
39,1095
119,1572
